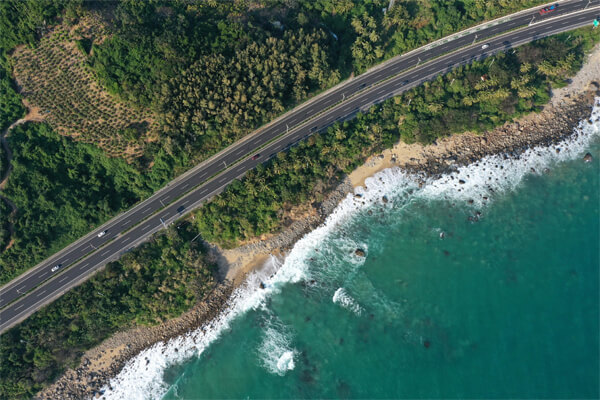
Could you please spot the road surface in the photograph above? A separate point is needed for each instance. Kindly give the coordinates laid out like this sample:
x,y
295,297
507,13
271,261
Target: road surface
x,y
39,286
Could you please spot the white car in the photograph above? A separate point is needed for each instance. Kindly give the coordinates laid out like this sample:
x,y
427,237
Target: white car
x,y
102,233
485,46
56,267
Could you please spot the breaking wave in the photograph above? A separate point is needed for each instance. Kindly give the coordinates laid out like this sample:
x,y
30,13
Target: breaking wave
x,y
342,298
275,351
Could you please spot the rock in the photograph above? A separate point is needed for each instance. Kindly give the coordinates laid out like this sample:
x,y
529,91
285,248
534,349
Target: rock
x,y
483,140
360,252
588,157
557,150
461,181
384,199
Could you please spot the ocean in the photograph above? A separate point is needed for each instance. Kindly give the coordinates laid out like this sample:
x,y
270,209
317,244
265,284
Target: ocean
x,y
483,283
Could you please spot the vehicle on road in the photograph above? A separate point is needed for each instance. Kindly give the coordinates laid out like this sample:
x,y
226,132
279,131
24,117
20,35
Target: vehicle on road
x,y
485,46
256,156
56,267
102,233
548,9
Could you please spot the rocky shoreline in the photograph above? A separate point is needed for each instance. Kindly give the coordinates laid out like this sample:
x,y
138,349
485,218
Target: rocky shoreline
x,y
513,139
546,128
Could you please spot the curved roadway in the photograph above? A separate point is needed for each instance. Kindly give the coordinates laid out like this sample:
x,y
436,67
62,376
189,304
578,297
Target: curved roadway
x,y
209,178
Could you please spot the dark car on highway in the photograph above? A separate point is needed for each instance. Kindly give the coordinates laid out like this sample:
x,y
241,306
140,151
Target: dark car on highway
x,y
256,156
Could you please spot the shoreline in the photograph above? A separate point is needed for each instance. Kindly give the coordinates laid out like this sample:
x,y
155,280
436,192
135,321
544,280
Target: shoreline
x,y
567,107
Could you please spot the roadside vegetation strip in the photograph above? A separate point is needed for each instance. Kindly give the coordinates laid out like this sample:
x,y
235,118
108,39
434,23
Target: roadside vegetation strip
x,y
248,209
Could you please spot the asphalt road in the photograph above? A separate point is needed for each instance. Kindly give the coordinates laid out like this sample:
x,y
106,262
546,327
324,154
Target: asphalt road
x,y
189,191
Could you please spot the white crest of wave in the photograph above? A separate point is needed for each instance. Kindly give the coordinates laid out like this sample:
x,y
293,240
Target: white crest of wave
x,y
342,298
275,351
142,376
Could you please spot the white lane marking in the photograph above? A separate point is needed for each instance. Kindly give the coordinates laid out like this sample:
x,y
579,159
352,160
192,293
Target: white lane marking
x,y
63,279
256,141
241,167
105,253
202,176
16,308
166,215
186,185
347,108
40,293
185,202
147,209
128,221
222,179
45,273
125,240
239,152
145,227
21,288
381,91
204,190
165,198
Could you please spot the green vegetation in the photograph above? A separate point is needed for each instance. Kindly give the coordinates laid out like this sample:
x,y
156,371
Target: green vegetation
x,y
214,71
218,100
5,224
62,190
155,282
476,97
11,108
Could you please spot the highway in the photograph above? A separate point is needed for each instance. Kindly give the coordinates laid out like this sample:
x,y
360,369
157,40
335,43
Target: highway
x,y
39,286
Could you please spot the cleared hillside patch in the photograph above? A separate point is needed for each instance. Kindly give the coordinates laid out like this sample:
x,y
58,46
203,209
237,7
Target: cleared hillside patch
x,y
54,77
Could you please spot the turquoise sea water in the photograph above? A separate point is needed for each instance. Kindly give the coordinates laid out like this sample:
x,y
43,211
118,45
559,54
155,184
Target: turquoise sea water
x,y
458,296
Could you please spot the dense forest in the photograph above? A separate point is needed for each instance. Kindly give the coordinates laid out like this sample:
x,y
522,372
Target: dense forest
x,y
62,190
215,71
157,281
476,97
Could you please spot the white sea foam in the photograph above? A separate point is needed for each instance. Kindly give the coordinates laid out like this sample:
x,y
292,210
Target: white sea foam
x,y
275,352
142,377
342,298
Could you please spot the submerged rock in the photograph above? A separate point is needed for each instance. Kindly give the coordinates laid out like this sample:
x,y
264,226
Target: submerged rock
x,y
588,157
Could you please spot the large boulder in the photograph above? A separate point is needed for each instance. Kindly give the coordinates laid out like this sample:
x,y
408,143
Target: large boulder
x,y
360,252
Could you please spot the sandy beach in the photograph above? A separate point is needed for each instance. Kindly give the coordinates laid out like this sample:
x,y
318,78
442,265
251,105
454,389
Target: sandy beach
x,y
568,106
